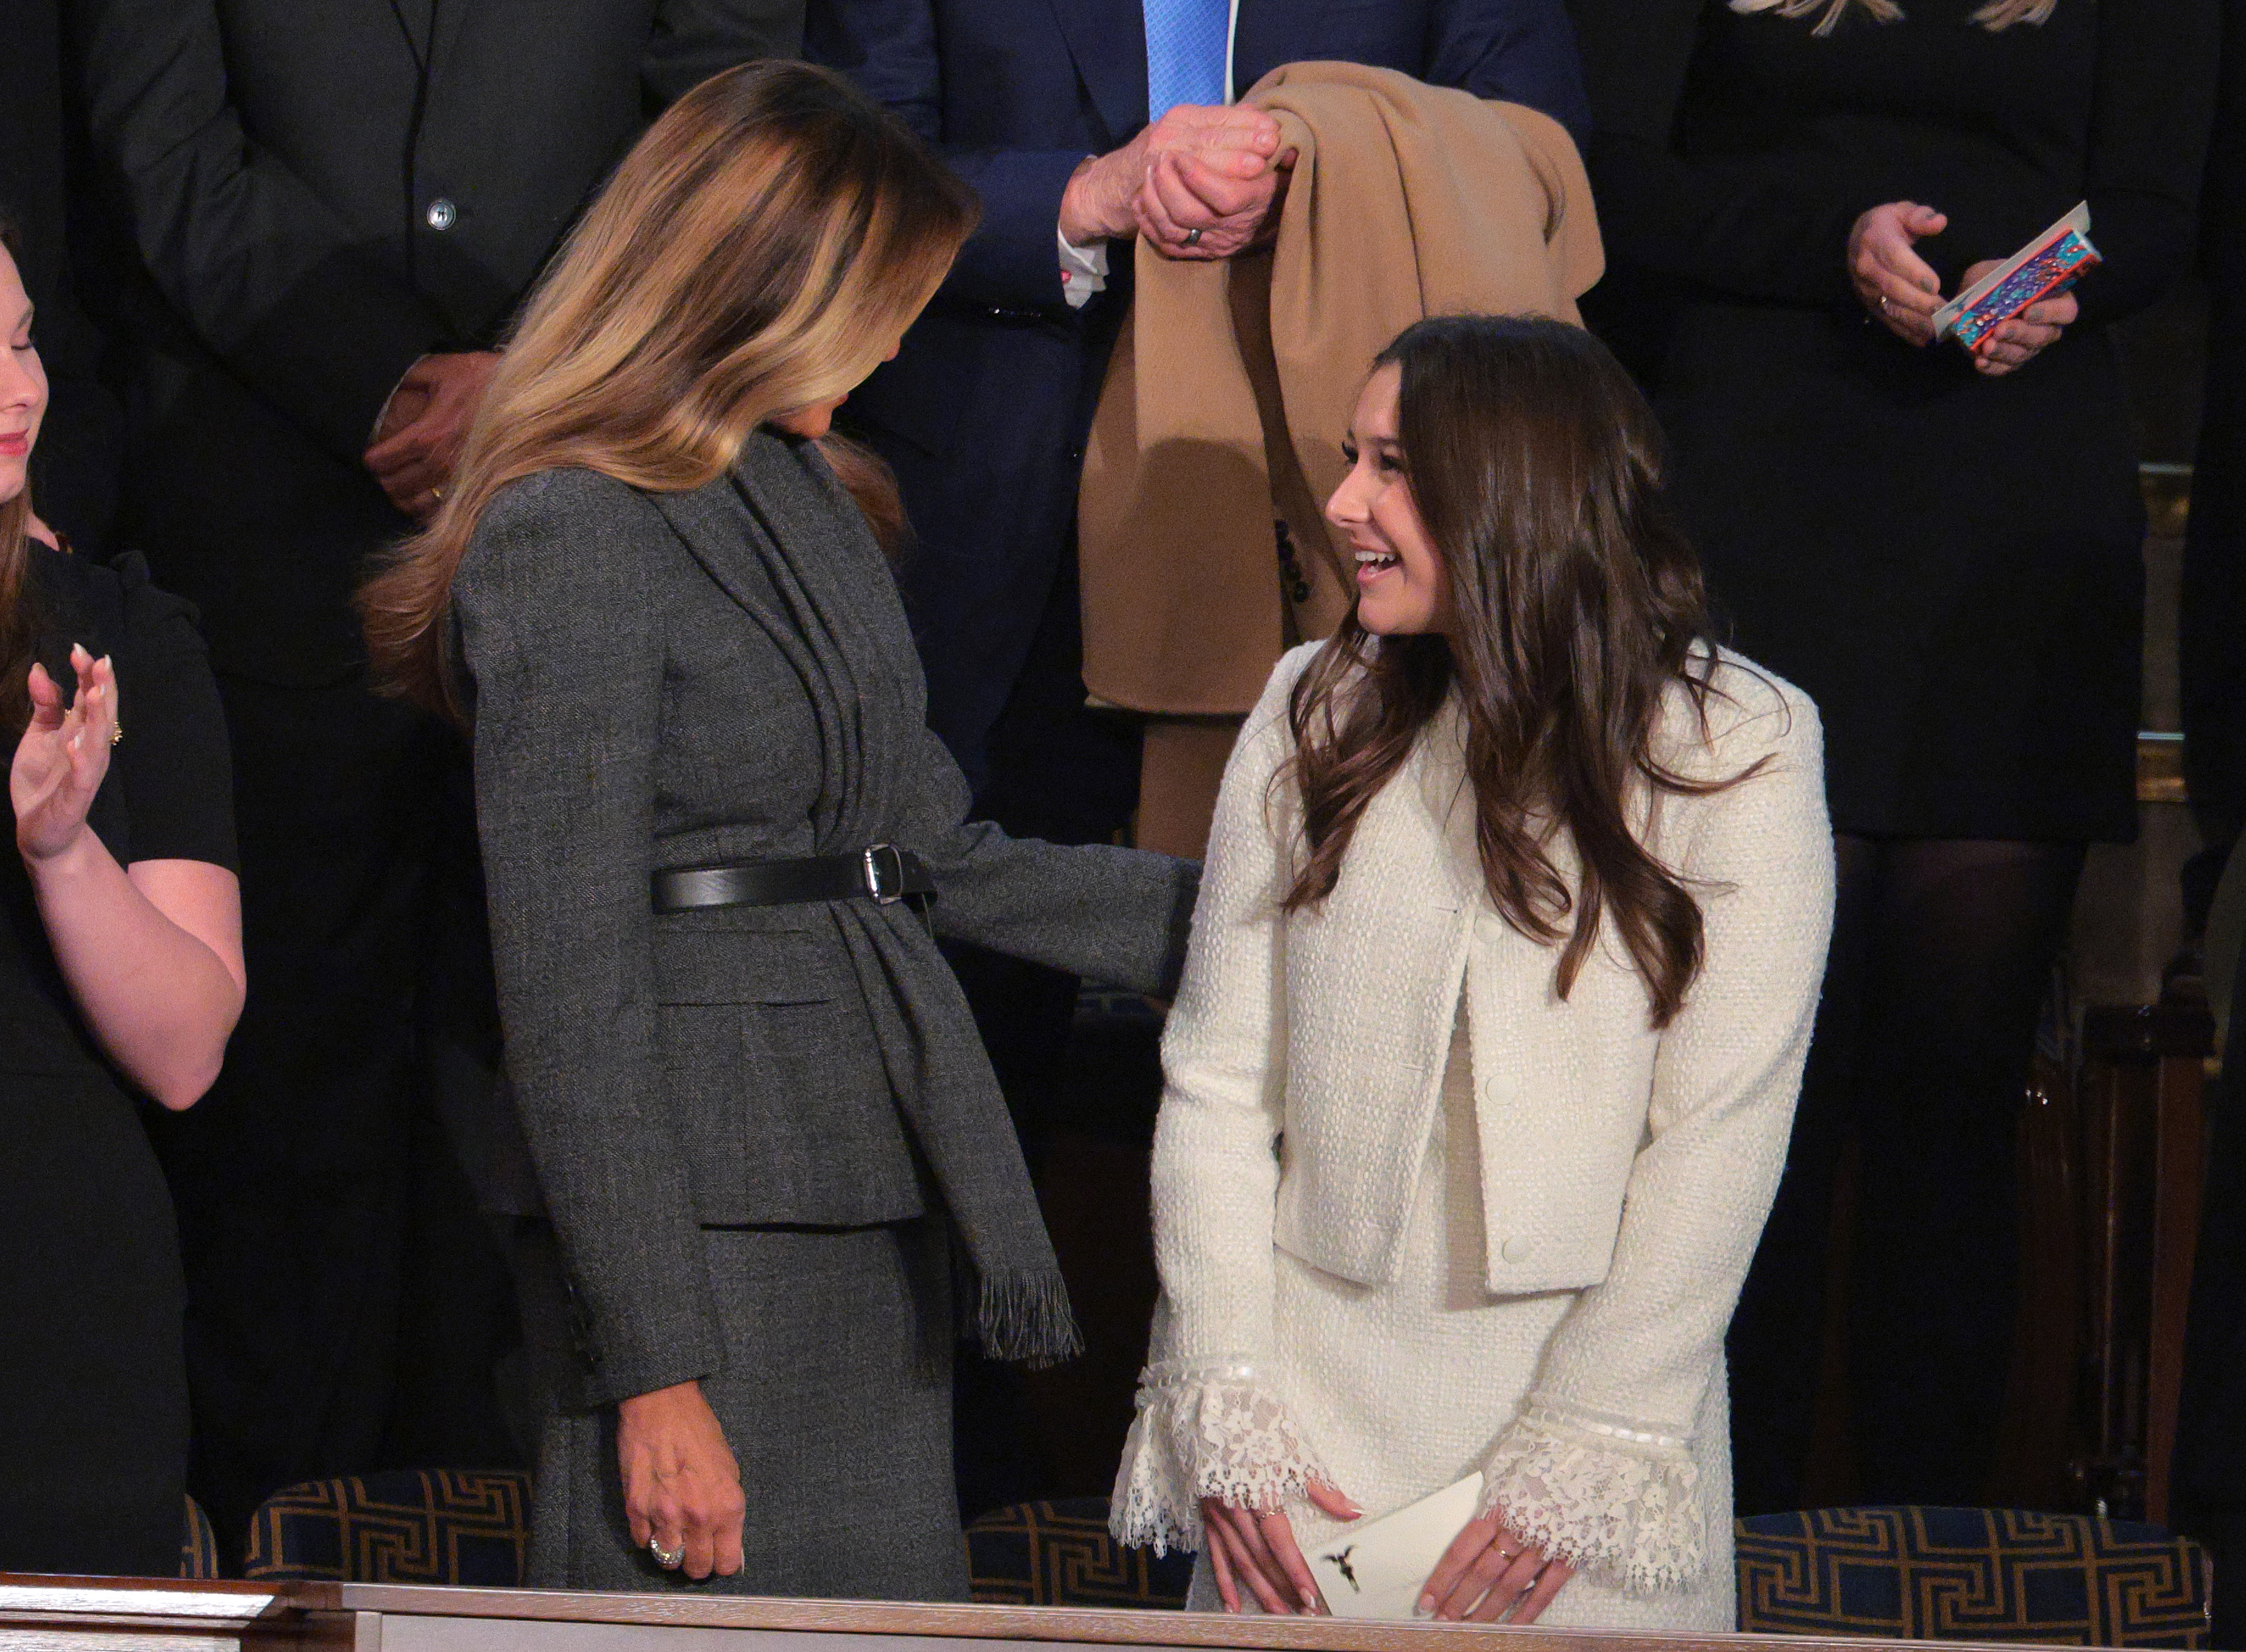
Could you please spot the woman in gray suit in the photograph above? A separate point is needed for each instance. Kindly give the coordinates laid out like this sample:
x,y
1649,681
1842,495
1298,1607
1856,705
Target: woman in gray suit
x,y
719,840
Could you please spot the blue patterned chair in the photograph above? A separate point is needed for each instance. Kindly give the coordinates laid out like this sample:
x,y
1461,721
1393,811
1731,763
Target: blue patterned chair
x,y
1972,1575
468,1527
1059,1553
198,1544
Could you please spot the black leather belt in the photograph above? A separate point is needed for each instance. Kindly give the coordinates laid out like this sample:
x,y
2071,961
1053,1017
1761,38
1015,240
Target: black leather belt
x,y
883,872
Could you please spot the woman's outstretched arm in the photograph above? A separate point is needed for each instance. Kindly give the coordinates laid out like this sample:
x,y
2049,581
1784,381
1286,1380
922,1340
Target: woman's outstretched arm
x,y
152,954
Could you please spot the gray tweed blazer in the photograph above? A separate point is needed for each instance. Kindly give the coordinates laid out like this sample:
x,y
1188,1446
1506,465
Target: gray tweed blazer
x,y
665,680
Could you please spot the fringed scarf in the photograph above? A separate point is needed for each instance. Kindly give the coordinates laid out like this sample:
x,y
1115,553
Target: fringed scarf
x,y
840,624
1995,16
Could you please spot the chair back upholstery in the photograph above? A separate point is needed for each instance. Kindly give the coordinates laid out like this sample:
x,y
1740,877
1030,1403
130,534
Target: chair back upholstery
x,y
468,1528
1059,1553
198,1544
1972,1575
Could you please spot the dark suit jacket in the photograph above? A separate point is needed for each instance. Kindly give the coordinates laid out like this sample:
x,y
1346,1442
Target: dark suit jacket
x,y
278,258
984,412
2213,661
677,680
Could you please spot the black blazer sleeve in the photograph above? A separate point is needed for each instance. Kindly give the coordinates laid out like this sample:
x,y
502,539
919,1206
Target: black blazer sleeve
x,y
694,39
557,627
1770,227
2155,102
265,274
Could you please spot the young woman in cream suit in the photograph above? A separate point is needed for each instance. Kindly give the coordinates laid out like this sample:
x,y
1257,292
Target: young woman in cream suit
x,y
1479,1079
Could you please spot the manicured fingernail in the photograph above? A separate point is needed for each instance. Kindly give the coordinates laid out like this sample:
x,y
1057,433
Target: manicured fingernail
x,y
1310,1602
1424,1607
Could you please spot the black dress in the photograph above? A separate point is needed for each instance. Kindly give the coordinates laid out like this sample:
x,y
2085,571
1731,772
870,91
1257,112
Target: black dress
x,y
93,1403
1950,564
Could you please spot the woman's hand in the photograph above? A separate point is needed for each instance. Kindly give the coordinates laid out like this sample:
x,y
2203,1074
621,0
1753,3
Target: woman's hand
x,y
1487,1571
62,756
1898,287
682,1486
2012,344
1261,1548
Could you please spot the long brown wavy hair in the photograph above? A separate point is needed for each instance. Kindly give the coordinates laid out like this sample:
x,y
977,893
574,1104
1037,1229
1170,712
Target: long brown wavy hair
x,y
759,248
1995,16
1535,467
20,618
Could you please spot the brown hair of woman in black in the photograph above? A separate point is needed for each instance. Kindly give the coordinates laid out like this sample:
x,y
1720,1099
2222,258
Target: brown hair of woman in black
x,y
19,618
1535,467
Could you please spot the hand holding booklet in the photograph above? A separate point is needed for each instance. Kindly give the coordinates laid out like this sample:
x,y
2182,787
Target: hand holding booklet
x,y
1374,1569
2050,263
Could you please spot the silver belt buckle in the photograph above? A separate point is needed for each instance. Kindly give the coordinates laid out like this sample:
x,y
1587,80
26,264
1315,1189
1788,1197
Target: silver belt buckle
x,y
893,890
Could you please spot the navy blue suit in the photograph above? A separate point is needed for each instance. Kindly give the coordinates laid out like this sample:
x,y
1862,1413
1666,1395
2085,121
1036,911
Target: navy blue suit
x,y
984,413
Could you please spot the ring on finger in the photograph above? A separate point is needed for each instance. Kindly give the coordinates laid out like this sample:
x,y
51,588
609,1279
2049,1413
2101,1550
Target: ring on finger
x,y
1192,237
669,1559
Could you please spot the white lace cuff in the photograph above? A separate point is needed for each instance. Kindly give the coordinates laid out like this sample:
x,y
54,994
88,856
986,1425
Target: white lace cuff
x,y
1616,1502
1205,1430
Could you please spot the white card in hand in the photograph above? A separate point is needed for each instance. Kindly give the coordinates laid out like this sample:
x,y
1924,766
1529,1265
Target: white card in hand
x,y
1375,1568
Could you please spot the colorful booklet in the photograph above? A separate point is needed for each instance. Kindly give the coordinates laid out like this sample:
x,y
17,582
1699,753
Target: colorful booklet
x,y
2050,263
1375,1568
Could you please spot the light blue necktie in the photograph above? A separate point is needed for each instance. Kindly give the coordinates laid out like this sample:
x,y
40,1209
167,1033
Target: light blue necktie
x,y
1186,42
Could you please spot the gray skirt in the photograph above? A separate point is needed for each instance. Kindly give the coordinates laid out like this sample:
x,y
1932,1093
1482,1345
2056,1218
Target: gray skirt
x,y
836,1399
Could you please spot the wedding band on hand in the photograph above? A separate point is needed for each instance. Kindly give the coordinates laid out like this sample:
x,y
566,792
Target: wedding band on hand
x,y
669,1559
1192,237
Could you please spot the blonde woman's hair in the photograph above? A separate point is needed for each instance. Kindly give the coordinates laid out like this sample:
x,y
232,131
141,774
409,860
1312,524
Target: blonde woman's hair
x,y
1994,16
758,251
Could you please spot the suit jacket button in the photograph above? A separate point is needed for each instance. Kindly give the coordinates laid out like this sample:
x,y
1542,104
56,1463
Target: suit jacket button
x,y
1517,1250
442,214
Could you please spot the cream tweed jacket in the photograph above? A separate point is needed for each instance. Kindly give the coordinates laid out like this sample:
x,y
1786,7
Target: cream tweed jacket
x,y
1629,1168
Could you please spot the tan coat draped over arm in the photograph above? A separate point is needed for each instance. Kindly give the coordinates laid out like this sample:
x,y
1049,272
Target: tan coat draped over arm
x,y
1233,381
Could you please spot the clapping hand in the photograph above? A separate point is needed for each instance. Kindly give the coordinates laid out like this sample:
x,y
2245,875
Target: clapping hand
x,y
1259,1548
62,756
1487,1573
